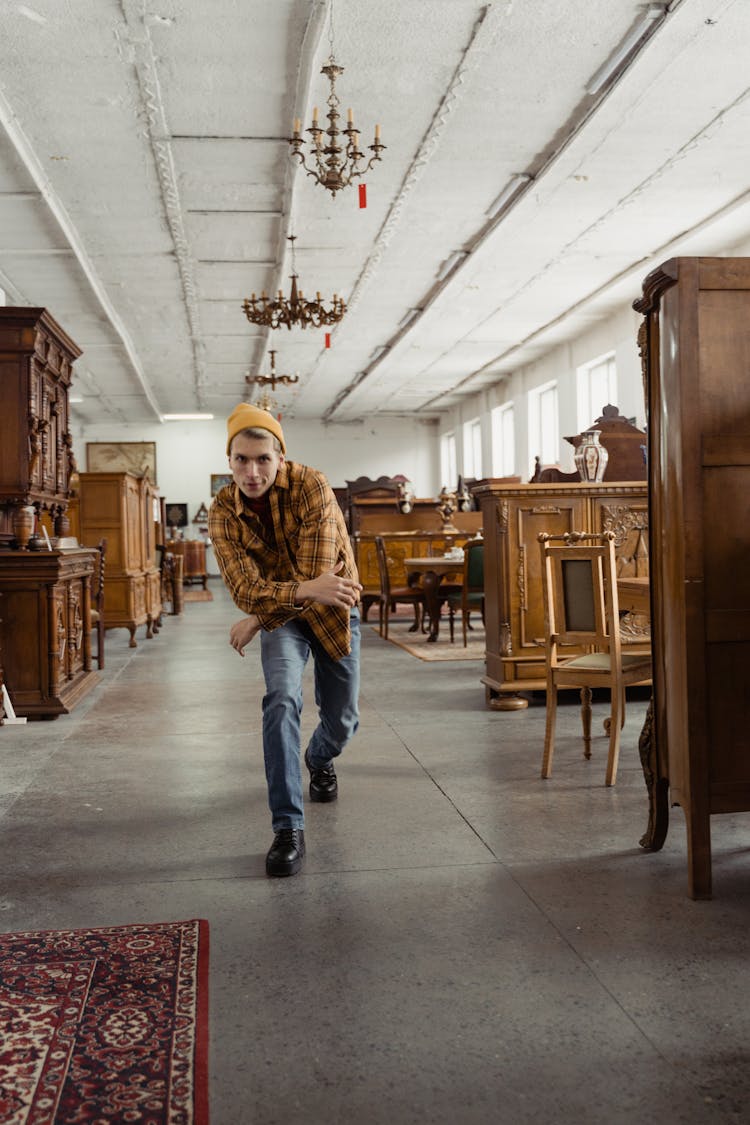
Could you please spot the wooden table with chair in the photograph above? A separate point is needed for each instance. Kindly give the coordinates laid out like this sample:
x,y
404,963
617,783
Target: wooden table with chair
x,y
400,545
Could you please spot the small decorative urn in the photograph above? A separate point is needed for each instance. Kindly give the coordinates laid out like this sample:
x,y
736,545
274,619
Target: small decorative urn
x,y
591,457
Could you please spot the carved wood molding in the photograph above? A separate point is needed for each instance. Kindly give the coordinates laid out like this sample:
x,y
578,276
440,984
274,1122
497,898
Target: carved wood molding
x,y
521,577
655,284
621,519
635,628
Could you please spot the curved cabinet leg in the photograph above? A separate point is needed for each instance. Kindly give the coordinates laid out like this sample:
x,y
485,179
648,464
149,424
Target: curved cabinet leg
x,y
658,787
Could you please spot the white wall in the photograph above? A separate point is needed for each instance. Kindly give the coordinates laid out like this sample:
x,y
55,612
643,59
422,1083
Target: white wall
x,y
617,333
187,453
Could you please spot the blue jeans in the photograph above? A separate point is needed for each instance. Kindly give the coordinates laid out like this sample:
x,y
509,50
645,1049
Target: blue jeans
x,y
284,654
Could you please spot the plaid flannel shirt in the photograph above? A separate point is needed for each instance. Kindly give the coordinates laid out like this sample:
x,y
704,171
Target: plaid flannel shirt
x,y
311,537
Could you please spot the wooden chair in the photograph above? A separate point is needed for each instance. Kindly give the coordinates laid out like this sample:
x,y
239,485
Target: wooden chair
x,y
579,579
391,595
471,594
97,601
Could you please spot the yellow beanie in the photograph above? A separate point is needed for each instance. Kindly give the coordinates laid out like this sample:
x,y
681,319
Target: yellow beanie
x,y
245,416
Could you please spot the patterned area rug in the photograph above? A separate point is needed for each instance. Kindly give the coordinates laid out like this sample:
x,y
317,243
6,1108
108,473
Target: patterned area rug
x,y
105,1025
442,649
198,596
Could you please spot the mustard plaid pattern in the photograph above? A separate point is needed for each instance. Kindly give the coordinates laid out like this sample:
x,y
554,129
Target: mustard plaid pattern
x,y
310,537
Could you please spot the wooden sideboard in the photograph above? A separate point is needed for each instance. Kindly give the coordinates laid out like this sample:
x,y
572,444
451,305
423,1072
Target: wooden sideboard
x,y
46,629
512,518
382,515
124,509
695,347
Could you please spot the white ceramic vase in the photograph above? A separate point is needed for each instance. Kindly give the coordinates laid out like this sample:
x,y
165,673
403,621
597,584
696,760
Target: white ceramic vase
x,y
591,457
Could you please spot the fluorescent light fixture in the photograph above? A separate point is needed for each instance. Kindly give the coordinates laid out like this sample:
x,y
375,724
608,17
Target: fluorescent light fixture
x,y
411,315
513,186
75,399
629,43
450,263
187,417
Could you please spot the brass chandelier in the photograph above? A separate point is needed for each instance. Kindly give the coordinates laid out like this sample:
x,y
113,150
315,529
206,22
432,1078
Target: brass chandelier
x,y
274,312
272,379
336,163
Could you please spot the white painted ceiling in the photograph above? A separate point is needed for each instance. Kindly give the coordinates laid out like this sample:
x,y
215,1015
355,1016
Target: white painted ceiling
x,y
147,186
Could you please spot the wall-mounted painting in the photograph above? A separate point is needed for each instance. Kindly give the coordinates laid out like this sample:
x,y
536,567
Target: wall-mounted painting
x,y
137,457
177,515
218,480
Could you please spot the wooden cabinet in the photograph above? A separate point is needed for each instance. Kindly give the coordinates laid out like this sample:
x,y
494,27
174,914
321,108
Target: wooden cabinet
x,y
695,345
125,509
46,629
512,518
36,447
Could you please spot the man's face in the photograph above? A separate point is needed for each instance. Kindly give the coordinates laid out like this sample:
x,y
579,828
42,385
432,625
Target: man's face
x,y
254,463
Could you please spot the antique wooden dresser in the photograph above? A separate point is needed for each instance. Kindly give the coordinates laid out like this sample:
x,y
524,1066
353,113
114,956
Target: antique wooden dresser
x,y
513,515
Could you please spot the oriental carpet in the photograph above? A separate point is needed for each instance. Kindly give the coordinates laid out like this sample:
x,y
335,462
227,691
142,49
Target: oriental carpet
x,y
417,644
197,596
105,1025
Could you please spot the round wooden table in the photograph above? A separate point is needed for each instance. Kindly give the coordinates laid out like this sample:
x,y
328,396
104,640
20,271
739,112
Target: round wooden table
x,y
432,572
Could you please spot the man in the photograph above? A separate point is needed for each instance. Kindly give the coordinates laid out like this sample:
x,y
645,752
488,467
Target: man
x,y
284,553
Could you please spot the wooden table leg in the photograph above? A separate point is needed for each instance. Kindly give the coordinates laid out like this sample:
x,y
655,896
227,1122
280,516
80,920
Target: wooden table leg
x,y
430,584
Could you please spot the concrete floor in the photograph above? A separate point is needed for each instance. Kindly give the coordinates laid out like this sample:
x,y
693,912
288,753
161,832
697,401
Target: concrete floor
x,y
466,943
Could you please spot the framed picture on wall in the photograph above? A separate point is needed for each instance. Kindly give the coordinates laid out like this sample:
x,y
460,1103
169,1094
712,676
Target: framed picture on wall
x,y
177,515
137,457
218,480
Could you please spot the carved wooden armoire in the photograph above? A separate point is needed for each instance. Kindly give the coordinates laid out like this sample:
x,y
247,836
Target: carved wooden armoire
x,y
124,509
46,619
695,345
513,515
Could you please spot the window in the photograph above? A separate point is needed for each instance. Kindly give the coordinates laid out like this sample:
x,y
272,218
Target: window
x,y
473,449
544,441
597,386
503,441
448,469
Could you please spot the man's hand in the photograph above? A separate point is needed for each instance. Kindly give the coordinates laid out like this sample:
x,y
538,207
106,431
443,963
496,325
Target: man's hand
x,y
330,589
242,632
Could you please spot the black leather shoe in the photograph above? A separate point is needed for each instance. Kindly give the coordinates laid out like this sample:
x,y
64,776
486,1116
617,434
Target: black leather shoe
x,y
323,783
286,852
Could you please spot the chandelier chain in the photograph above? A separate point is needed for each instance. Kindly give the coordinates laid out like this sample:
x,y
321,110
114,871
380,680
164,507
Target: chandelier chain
x,y
330,29
334,159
